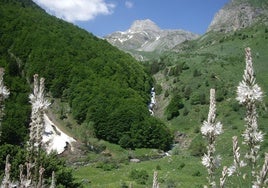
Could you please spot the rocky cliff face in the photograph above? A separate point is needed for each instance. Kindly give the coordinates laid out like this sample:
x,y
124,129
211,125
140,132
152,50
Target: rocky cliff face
x,y
145,35
239,14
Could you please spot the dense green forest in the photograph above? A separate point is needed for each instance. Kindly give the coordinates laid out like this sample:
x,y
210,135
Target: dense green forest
x,y
101,84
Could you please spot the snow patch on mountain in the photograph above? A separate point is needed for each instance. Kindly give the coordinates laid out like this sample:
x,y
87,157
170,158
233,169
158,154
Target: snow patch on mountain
x,y
54,139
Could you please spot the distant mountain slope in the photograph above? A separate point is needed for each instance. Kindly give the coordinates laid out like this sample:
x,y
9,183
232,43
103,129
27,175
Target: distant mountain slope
x,y
239,14
101,84
214,60
146,36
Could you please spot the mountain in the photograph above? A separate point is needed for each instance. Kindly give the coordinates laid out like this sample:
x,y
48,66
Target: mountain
x,y
94,82
146,36
239,14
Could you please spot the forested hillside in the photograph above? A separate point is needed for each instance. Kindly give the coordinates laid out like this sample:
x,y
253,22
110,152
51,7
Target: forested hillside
x,y
102,84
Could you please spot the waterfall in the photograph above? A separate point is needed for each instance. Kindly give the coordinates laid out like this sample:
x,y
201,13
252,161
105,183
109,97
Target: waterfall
x,y
152,103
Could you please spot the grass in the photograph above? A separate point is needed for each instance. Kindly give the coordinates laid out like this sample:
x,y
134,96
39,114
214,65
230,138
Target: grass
x,y
220,59
180,171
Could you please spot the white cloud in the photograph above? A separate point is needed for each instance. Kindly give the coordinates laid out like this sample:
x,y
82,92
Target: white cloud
x,y
129,4
76,10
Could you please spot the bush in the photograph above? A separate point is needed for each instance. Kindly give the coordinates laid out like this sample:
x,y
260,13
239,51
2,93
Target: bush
x,y
182,165
174,106
158,89
158,167
140,176
176,150
195,99
197,173
235,106
124,185
185,112
197,147
107,165
196,73
170,183
187,92
166,94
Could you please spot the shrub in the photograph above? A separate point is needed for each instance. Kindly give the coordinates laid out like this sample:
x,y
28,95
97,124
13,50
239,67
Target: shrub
x,y
197,147
176,150
166,94
140,176
185,111
195,99
170,183
197,173
182,165
124,185
158,167
196,73
158,89
174,106
187,92
107,165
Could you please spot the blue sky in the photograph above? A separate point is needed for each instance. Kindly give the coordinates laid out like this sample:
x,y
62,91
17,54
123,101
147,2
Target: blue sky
x,y
102,17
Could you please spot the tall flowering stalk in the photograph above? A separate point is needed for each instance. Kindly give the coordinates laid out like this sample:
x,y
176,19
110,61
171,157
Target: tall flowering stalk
x,y
155,180
6,180
235,167
223,177
53,181
4,94
237,162
25,180
41,177
211,129
39,105
248,94
261,177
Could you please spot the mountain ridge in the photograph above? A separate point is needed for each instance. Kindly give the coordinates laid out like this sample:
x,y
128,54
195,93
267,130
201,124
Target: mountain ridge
x,y
146,36
238,14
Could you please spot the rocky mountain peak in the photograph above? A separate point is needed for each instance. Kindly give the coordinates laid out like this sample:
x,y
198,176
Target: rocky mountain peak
x,y
144,25
238,14
146,36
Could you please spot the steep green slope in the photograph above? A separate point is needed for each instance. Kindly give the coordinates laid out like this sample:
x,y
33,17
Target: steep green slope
x,y
215,60
100,82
